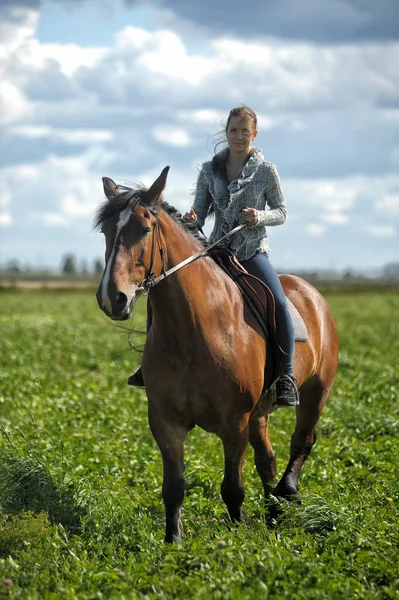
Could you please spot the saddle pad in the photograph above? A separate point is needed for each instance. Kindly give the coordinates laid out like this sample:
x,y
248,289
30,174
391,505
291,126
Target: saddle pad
x,y
300,331
258,293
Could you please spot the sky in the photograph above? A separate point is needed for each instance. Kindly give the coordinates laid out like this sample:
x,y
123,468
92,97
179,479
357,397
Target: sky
x,y
122,88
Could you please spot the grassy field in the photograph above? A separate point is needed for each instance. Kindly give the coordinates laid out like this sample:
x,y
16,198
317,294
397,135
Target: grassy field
x,y
80,474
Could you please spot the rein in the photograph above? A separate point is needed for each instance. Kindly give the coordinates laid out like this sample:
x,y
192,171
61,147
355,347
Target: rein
x,y
149,281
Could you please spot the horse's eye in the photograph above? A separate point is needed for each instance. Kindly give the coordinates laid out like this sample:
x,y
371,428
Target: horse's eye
x,y
147,230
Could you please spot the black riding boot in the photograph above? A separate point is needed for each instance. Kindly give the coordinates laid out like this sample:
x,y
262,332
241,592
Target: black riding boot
x,y
286,392
136,379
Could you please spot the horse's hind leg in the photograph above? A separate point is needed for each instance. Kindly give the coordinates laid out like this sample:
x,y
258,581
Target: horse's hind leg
x,y
313,396
235,443
265,460
170,439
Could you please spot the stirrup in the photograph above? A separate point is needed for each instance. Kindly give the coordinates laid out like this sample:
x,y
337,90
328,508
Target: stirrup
x,y
136,379
288,394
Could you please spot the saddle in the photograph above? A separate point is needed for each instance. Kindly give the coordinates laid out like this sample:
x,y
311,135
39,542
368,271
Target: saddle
x,y
256,294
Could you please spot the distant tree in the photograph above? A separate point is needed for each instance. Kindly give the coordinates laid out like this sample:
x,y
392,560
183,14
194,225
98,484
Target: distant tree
x,y
84,269
68,264
391,270
13,267
98,266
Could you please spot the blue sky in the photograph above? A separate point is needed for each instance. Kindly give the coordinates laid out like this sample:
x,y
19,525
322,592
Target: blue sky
x,y
91,88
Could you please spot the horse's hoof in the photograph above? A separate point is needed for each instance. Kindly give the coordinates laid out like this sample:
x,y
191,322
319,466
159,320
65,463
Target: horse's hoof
x,y
287,491
294,498
238,519
173,539
272,515
245,519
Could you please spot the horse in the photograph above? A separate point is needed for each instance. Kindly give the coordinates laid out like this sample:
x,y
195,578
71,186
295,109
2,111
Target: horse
x,y
204,357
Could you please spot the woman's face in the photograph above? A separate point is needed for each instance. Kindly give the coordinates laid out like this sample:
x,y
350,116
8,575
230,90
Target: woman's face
x,y
240,134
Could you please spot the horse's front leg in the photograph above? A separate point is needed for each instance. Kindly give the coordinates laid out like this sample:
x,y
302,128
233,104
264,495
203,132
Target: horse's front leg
x,y
265,460
170,439
235,442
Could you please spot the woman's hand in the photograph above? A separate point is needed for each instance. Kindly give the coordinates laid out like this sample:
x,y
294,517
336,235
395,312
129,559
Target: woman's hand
x,y
250,216
190,216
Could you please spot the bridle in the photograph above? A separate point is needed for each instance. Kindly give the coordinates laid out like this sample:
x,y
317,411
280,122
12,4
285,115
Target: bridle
x,y
151,280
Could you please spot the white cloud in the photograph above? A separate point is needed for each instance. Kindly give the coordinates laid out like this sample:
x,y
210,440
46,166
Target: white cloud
x,y
203,116
172,136
17,30
132,39
50,219
13,104
72,205
5,196
147,100
167,57
330,200
57,191
335,196
5,219
17,41
381,231
70,57
76,136
315,229
388,203
335,218
299,74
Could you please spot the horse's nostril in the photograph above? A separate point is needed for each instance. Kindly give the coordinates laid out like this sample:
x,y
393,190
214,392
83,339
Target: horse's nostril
x,y
121,299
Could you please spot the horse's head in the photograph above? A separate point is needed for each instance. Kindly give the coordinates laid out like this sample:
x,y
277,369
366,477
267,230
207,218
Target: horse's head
x,y
127,220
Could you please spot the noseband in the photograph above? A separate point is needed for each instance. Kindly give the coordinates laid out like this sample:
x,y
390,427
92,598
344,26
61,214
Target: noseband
x,y
150,279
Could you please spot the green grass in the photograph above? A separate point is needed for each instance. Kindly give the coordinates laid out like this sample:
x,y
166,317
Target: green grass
x,y
80,474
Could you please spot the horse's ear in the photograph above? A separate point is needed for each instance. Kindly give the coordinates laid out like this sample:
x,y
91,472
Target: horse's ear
x,y
110,188
153,195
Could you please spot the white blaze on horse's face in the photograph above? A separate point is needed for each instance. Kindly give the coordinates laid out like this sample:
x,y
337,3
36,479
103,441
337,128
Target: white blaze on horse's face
x,y
104,291
127,246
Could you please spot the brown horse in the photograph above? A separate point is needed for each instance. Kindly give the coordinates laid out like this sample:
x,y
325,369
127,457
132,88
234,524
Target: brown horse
x,y
204,357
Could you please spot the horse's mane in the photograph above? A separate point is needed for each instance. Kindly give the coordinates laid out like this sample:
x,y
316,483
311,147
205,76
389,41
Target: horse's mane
x,y
132,197
126,197
176,215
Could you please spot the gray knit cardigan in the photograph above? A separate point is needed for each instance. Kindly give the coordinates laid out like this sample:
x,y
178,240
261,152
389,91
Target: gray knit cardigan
x,y
256,186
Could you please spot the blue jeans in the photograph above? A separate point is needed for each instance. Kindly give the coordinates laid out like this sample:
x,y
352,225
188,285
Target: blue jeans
x,y
260,266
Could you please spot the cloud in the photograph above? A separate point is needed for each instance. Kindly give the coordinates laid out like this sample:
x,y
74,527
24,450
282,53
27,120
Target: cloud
x,y
327,114
321,21
5,219
170,135
13,104
381,231
75,136
347,203
14,5
69,187
50,219
335,218
315,229
388,203
276,76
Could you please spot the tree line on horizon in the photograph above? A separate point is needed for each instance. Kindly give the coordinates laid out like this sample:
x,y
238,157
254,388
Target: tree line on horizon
x,y
71,266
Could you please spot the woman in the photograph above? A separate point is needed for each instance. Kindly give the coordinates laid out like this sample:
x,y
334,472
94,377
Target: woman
x,y
237,185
